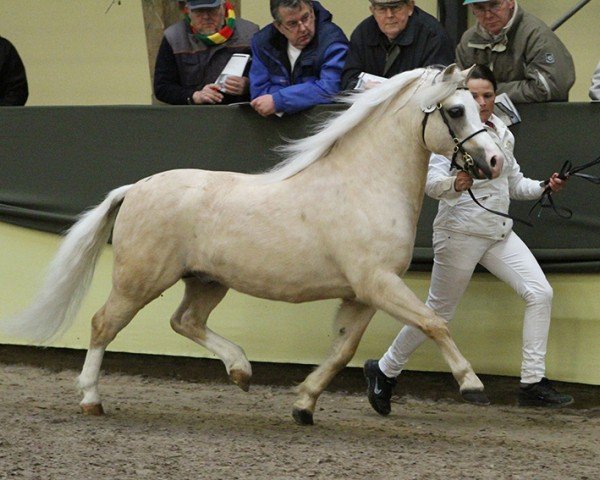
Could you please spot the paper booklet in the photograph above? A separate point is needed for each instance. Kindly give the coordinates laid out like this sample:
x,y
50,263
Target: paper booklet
x,y
364,78
235,66
506,110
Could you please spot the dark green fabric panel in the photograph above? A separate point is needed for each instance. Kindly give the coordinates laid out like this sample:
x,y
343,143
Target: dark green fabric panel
x,y
58,161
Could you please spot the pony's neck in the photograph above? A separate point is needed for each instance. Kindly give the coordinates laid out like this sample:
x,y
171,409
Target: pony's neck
x,y
386,147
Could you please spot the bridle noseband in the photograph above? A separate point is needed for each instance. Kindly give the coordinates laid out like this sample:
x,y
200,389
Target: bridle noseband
x,y
469,163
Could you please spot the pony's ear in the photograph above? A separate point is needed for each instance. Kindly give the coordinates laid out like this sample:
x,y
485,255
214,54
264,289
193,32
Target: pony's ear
x,y
465,75
449,72
467,71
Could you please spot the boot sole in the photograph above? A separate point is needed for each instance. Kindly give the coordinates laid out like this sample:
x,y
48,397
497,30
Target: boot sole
x,y
534,402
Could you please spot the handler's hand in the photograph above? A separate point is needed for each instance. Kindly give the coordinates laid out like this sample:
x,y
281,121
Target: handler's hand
x,y
463,182
264,105
555,183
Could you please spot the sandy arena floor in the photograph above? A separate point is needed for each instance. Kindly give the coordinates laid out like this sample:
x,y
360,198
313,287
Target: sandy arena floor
x,y
157,428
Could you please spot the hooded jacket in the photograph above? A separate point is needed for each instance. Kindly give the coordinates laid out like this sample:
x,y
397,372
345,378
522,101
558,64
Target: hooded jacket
x,y
529,61
315,78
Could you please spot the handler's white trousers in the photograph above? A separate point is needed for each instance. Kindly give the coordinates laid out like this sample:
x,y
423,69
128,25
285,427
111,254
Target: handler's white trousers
x,y
456,256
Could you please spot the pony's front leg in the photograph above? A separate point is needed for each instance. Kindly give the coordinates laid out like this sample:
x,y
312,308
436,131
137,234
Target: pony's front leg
x,y
387,291
350,323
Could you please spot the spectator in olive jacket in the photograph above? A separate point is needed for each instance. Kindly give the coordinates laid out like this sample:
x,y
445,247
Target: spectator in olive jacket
x,y
529,61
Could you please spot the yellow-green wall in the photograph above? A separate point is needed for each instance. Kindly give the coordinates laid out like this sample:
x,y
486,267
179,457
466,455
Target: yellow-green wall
x,y
487,327
77,53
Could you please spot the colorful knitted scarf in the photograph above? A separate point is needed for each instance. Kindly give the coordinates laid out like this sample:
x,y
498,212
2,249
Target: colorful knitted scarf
x,y
222,35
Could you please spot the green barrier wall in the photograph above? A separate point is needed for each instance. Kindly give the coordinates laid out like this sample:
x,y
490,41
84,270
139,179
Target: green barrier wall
x,y
56,161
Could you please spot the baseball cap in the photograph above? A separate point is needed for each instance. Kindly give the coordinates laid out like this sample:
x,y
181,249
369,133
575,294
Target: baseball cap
x,y
197,4
387,3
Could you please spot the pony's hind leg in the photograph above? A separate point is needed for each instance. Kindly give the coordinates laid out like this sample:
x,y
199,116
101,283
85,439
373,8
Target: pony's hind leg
x,y
190,319
387,291
350,323
116,313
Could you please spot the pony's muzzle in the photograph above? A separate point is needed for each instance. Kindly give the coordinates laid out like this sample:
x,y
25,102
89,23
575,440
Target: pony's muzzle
x,y
488,167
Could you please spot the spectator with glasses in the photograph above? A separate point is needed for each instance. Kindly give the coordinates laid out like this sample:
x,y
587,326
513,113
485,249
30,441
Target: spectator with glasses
x,y
297,59
195,50
397,37
529,61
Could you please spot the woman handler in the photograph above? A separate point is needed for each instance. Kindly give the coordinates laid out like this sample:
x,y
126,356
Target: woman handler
x,y
464,235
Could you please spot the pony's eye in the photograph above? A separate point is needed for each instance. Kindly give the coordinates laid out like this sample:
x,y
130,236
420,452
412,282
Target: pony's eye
x,y
456,112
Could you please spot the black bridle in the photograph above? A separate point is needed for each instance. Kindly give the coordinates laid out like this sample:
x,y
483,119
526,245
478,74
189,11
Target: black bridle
x,y
546,200
469,163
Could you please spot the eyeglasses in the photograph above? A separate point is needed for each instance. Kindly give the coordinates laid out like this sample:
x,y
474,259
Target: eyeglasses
x,y
295,24
492,7
382,9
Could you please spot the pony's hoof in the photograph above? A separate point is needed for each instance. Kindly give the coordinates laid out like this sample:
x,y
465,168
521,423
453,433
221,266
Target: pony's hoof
x,y
475,397
241,379
303,417
94,409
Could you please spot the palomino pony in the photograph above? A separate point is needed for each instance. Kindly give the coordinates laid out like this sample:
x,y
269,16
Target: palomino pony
x,y
337,219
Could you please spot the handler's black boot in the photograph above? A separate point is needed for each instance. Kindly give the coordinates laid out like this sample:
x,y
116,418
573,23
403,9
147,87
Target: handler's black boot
x,y
379,387
542,394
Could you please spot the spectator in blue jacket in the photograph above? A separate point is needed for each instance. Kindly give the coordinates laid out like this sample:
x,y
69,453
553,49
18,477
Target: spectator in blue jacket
x,y
297,60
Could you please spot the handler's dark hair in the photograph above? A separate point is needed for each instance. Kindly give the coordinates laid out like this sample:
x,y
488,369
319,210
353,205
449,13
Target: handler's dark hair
x,y
482,72
275,4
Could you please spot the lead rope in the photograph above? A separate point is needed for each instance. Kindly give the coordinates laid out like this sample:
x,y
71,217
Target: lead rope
x,y
502,214
470,169
567,170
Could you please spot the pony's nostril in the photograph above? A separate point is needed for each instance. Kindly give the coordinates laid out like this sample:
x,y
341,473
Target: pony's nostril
x,y
493,162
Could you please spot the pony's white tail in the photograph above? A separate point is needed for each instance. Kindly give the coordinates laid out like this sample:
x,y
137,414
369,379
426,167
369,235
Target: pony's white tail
x,y
69,275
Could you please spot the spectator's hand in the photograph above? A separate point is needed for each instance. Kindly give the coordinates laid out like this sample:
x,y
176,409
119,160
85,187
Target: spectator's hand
x,y
236,85
264,105
463,182
208,95
555,183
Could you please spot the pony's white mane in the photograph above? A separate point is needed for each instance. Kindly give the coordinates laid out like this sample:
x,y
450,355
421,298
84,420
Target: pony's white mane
x,y
299,154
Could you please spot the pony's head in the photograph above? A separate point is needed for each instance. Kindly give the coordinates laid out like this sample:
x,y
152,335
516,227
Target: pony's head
x,y
452,126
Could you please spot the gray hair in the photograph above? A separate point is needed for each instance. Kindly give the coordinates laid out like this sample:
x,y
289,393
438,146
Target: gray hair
x,y
293,4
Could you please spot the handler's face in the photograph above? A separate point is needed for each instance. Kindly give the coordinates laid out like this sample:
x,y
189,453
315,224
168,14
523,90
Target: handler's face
x,y
392,20
483,93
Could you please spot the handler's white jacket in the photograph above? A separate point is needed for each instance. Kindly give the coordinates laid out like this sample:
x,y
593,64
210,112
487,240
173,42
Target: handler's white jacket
x,y
457,212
